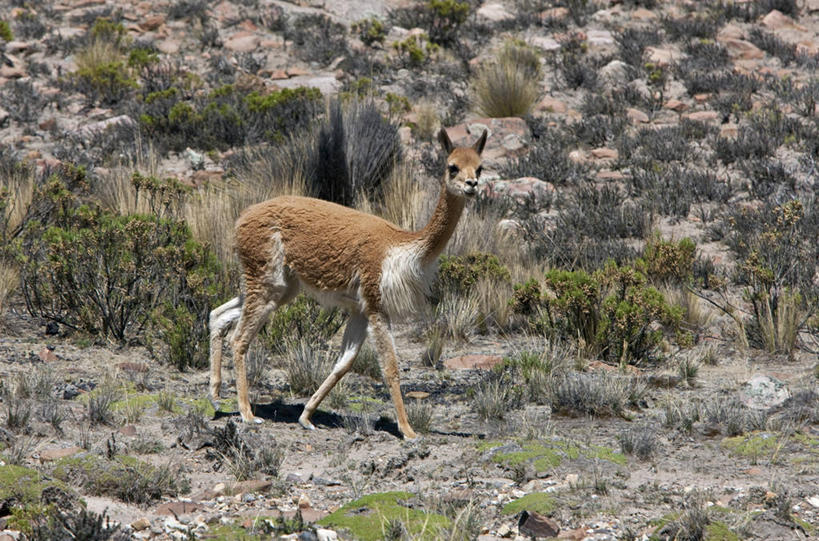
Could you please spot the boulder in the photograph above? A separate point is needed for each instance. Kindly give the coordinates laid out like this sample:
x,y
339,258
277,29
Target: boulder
x,y
762,392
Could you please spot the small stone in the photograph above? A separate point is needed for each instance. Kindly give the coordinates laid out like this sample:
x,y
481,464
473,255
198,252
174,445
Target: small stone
x,y
152,22
534,524
605,153
141,524
242,42
703,116
552,105
418,395
219,489
615,72
814,501
465,362
323,534
304,501
545,43
636,116
47,354
49,455
252,485
294,478
504,530
128,430
659,57
741,49
493,12
169,46
178,508
572,479
676,105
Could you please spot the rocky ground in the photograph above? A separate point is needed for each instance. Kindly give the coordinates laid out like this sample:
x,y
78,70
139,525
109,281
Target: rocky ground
x,y
728,450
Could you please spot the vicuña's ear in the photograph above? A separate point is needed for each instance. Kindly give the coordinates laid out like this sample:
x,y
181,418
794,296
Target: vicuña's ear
x,y
443,138
481,142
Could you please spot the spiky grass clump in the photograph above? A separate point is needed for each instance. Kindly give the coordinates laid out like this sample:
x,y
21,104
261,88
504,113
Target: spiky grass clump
x,y
509,84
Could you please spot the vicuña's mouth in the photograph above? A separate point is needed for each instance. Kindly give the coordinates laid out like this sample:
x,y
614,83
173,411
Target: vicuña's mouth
x,y
470,191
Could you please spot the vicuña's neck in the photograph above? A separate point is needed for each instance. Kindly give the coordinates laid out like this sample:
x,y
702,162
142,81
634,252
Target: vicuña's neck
x,y
438,231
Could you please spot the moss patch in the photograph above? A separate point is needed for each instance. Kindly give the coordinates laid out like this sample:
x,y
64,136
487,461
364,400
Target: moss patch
x,y
22,489
752,445
719,531
367,517
539,502
125,477
545,455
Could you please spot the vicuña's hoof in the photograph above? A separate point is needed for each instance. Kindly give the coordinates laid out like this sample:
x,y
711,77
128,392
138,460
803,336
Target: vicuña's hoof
x,y
306,424
411,436
215,403
251,420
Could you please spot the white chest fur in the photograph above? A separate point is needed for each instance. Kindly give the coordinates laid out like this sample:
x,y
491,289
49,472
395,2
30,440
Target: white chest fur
x,y
405,280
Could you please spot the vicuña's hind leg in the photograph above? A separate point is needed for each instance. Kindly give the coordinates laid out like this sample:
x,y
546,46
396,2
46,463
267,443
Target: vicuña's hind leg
x,y
256,308
354,335
221,319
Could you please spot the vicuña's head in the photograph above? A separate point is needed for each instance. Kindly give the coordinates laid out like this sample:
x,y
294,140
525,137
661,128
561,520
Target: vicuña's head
x,y
463,165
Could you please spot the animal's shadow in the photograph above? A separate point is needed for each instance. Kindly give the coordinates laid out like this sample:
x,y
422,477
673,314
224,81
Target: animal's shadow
x,y
279,412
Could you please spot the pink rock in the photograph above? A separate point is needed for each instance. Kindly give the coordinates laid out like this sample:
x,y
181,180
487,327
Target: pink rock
x,y
605,153
659,57
12,72
610,176
552,105
636,116
545,43
499,130
494,12
178,508
643,14
465,362
47,355
49,455
676,105
169,46
703,116
741,49
152,23
776,20
242,42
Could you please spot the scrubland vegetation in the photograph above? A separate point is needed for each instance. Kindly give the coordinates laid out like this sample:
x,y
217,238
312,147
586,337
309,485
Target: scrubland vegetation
x,y
670,258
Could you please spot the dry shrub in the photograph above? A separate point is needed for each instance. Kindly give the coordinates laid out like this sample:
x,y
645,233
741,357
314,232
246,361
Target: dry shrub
x,y
426,121
9,283
509,84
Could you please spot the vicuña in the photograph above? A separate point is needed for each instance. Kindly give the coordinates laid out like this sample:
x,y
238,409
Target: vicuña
x,y
341,257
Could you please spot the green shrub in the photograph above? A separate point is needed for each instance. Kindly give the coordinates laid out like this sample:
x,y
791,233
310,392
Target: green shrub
x,y
116,276
369,30
416,50
142,56
777,252
442,19
611,312
228,116
509,84
103,74
668,262
122,477
460,273
5,31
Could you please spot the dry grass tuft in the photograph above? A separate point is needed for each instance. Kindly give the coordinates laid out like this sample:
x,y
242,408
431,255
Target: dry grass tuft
x,y
509,84
9,283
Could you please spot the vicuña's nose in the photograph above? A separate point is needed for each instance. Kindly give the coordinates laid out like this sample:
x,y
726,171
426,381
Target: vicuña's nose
x,y
472,182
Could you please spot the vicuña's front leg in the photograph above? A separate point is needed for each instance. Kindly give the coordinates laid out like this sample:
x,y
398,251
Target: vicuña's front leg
x,y
354,335
254,312
389,358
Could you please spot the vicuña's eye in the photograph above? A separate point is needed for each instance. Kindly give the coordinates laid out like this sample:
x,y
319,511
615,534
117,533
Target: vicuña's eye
x,y
453,170
478,171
